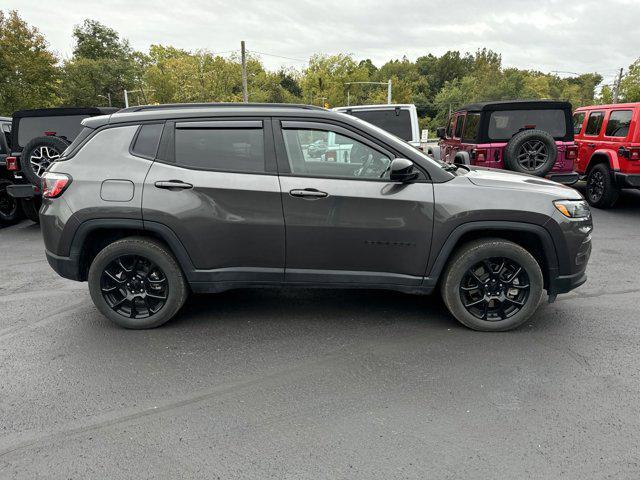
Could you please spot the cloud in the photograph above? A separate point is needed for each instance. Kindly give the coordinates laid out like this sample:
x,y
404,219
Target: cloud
x,y
546,35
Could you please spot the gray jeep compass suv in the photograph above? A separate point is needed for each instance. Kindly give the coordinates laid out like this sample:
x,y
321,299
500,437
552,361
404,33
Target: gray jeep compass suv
x,y
153,202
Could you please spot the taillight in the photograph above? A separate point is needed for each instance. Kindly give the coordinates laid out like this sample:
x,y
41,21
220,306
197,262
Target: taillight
x,y
12,163
50,133
481,154
634,153
571,153
53,184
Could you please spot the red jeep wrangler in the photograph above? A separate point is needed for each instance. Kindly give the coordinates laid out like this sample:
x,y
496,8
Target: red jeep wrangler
x,y
524,136
608,139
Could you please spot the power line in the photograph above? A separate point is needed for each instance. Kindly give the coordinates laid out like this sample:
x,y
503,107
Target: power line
x,y
278,56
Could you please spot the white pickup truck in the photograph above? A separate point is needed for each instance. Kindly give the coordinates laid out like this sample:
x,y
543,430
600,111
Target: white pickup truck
x,y
398,119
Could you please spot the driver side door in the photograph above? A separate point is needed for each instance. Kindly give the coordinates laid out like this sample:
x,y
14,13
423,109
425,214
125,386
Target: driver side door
x,y
345,221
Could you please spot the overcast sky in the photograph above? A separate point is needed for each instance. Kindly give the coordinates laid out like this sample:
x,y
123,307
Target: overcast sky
x,y
567,35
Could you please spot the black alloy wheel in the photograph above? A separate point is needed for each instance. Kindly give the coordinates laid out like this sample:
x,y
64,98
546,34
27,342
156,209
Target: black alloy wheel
x,y
495,289
8,205
595,186
134,286
532,155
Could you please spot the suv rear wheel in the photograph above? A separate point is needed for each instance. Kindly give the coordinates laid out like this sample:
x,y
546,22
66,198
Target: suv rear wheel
x,y
492,285
9,211
601,192
137,283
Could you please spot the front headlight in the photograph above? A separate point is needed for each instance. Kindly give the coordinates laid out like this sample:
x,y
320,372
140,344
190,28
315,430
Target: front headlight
x,y
573,208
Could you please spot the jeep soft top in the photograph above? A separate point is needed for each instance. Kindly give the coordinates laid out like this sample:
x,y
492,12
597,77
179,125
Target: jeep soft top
x,y
525,105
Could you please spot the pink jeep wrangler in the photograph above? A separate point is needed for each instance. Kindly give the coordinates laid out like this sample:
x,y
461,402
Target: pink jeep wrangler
x,y
533,136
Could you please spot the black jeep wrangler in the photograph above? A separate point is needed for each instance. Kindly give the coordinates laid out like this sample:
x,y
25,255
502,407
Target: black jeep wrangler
x,y
37,137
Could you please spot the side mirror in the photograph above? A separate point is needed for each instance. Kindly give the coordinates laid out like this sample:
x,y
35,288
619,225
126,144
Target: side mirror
x,y
402,170
441,132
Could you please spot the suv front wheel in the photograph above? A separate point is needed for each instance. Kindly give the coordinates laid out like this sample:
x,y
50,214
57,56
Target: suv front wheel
x,y
137,283
492,285
601,191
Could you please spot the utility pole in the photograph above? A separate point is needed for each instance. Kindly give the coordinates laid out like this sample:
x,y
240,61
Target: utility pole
x,y
389,93
616,87
245,91
126,99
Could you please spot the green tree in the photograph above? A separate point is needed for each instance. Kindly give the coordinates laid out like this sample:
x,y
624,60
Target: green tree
x,y
103,65
327,75
630,85
28,72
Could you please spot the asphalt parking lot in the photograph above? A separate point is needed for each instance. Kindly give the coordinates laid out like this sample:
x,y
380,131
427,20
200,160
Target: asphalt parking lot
x,y
320,383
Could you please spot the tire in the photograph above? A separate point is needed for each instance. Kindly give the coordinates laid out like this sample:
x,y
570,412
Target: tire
x,y
434,152
462,158
9,208
31,209
533,152
168,278
458,285
601,192
37,154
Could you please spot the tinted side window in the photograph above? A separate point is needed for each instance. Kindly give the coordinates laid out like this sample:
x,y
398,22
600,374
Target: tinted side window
x,y
459,124
578,120
505,124
226,149
329,154
146,143
470,132
618,124
594,123
449,132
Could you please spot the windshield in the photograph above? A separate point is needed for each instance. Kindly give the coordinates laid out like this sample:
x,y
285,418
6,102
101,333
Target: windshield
x,y
393,139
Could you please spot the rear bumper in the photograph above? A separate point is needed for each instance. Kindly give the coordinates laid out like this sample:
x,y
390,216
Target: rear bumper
x,y
67,267
627,180
566,178
22,191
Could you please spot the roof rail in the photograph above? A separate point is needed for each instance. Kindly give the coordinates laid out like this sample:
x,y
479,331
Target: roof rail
x,y
166,106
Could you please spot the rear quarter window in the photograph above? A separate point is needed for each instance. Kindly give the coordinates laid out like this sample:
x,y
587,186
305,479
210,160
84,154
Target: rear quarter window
x,y
147,140
459,123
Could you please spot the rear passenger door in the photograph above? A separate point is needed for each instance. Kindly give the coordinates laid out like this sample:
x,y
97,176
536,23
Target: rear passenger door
x,y
592,132
214,184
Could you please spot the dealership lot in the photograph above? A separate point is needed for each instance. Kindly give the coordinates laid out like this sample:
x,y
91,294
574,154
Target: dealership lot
x,y
321,383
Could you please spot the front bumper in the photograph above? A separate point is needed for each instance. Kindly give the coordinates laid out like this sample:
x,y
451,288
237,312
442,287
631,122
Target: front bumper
x,y
566,178
67,267
627,180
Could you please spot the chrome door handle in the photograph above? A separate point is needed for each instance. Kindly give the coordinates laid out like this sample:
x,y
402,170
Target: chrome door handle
x,y
173,185
308,193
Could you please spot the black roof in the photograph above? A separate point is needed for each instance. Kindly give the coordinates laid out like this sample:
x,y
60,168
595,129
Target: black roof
x,y
514,105
62,111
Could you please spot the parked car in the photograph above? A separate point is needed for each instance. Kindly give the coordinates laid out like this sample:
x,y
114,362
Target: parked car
x,y
398,119
9,208
532,137
38,137
157,201
608,138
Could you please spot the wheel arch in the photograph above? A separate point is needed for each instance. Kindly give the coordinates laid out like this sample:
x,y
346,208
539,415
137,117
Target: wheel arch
x,y
606,156
534,238
462,157
93,235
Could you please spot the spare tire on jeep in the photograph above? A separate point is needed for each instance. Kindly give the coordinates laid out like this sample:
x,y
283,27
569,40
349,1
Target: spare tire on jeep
x,y
38,153
531,151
